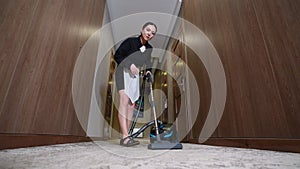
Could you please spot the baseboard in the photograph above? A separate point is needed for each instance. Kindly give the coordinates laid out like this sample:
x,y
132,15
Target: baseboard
x,y
286,145
10,141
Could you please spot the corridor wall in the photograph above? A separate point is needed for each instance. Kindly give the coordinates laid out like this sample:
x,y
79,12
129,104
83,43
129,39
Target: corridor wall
x,y
40,42
258,44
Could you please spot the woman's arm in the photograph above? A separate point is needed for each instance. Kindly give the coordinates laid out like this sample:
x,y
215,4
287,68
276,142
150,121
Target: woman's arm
x,y
122,53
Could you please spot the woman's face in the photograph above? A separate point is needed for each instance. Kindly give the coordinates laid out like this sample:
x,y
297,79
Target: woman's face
x,y
148,32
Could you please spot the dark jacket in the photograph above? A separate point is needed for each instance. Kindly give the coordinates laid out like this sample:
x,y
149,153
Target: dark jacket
x,y
129,53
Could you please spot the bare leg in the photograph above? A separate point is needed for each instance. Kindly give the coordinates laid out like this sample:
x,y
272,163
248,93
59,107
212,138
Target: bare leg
x,y
123,110
130,109
125,116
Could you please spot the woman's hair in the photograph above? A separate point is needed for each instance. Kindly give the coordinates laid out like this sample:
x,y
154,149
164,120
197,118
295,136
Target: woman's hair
x,y
149,23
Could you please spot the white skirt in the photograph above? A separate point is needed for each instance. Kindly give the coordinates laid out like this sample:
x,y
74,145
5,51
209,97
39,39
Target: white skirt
x,y
131,85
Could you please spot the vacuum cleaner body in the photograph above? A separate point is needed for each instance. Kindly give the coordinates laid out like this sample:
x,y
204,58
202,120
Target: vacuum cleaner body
x,y
167,132
167,138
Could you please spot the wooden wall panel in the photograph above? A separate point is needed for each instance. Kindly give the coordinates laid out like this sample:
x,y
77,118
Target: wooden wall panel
x,y
280,24
15,20
50,35
242,31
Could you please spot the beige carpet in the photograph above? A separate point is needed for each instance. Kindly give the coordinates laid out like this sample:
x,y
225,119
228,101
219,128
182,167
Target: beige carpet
x,y
110,155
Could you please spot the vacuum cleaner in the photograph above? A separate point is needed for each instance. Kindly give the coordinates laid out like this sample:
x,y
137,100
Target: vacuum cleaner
x,y
162,136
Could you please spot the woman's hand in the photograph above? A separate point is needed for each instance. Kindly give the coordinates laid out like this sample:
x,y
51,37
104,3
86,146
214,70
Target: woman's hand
x,y
134,70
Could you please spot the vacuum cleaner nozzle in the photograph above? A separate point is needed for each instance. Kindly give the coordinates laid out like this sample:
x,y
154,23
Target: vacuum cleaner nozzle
x,y
162,145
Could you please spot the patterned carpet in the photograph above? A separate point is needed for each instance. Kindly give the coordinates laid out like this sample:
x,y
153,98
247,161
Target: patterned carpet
x,y
110,155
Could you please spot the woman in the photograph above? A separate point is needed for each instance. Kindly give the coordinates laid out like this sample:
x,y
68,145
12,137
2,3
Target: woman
x,y
133,53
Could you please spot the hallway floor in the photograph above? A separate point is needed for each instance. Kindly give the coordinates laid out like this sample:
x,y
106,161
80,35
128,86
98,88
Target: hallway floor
x,y
110,155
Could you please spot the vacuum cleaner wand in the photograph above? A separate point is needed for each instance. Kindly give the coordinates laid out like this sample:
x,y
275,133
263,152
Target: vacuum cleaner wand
x,y
153,109
160,143
158,139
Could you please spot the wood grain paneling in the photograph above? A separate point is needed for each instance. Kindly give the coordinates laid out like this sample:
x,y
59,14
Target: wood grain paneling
x,y
257,44
280,24
16,18
42,40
